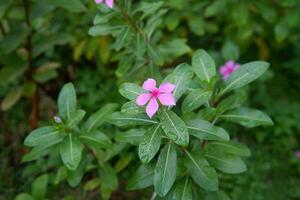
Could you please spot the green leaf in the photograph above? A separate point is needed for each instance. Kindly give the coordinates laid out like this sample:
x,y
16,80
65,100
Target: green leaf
x,y
12,41
11,98
132,108
40,150
103,18
248,117
231,102
123,162
76,118
108,177
92,184
165,170
203,65
150,143
174,127
203,174
225,162
180,77
132,136
195,99
61,175
245,75
67,101
43,135
96,139
122,119
105,29
142,178
205,130
183,190
231,147
99,117
70,152
45,42
24,196
130,90
39,187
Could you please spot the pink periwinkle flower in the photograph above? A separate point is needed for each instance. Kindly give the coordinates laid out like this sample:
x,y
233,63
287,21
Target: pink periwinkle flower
x,y
163,94
228,68
109,3
297,154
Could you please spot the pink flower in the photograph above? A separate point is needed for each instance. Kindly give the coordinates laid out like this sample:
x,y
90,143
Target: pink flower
x,y
297,154
228,68
163,94
109,3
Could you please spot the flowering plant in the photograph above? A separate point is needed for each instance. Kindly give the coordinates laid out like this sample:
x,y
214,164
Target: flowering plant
x,y
176,124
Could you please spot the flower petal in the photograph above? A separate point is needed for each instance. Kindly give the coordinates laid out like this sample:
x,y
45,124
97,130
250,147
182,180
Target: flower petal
x,y
230,63
166,87
167,99
109,3
142,99
152,107
223,70
149,84
98,1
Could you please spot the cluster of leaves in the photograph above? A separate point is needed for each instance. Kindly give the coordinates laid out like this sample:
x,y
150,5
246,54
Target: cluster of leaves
x,y
161,31
181,132
138,39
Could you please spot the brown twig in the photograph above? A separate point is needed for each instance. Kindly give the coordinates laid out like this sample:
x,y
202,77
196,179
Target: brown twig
x,y
35,99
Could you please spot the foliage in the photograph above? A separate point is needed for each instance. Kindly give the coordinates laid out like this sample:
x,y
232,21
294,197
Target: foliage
x,y
95,141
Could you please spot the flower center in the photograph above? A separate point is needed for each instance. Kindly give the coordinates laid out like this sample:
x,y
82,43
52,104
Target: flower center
x,y
154,93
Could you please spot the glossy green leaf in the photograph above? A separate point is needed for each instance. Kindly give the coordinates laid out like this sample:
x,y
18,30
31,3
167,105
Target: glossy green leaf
x,y
13,40
180,77
203,174
132,136
225,162
247,117
105,29
131,91
150,143
203,65
123,119
205,130
39,187
165,170
231,147
99,117
195,99
183,190
96,139
174,127
132,108
11,98
244,75
67,101
142,178
75,118
231,102
42,136
70,152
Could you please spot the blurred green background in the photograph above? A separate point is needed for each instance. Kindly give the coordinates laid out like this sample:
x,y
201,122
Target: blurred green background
x,y
44,44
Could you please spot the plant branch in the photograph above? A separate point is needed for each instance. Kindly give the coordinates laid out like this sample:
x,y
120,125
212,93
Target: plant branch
x,y
35,99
